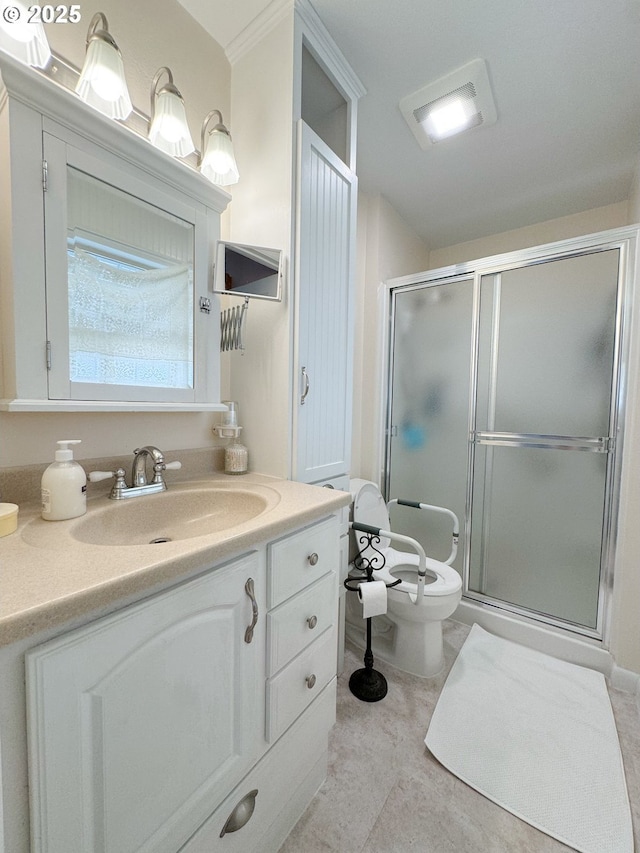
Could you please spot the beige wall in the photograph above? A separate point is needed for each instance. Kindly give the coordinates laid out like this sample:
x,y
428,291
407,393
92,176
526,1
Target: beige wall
x,y
262,214
587,222
634,196
146,32
387,247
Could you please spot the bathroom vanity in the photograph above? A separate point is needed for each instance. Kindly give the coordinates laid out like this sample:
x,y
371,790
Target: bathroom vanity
x,y
178,696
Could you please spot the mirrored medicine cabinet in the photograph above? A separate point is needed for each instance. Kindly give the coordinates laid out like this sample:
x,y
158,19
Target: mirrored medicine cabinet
x,y
106,267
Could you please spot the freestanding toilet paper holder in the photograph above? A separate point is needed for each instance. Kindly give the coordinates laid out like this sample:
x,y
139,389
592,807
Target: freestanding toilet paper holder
x,y
367,683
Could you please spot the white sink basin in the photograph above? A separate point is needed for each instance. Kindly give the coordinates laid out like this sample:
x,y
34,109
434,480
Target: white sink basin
x,y
180,513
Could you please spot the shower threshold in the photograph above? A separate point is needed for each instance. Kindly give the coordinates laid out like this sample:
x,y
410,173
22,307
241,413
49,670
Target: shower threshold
x,y
557,642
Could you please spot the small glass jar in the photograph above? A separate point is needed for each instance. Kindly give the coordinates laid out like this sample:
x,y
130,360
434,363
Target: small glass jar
x,y
236,458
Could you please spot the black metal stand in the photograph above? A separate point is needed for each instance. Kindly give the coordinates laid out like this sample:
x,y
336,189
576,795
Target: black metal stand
x,y
367,684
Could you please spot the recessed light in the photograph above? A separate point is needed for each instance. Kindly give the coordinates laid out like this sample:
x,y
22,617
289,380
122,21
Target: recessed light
x,y
450,105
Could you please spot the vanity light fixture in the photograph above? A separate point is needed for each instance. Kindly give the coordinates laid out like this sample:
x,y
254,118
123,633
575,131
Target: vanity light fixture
x,y
168,128
23,39
217,160
102,83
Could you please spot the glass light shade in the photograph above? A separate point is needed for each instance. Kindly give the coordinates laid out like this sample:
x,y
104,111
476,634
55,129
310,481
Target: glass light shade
x,y
169,130
102,83
23,40
219,162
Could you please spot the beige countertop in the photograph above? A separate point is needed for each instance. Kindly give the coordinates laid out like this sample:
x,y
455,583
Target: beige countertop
x,y
48,577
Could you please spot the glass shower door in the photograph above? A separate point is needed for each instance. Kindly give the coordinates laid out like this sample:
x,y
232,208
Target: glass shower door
x,y
543,436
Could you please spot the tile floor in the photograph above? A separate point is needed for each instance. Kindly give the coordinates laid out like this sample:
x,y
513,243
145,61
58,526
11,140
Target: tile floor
x,y
385,793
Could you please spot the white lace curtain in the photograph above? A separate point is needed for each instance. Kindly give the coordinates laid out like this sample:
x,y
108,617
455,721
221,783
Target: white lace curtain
x,y
130,327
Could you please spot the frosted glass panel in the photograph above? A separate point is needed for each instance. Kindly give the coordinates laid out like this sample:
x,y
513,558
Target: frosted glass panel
x,y
546,347
430,409
537,529
130,289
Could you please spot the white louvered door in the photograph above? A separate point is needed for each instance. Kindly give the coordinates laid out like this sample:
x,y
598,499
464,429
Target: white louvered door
x,y
324,274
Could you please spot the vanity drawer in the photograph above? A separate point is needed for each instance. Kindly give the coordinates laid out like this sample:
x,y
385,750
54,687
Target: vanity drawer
x,y
297,561
279,784
298,684
295,624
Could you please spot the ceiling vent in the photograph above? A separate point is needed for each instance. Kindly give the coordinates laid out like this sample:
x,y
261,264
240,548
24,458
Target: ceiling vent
x,y
455,103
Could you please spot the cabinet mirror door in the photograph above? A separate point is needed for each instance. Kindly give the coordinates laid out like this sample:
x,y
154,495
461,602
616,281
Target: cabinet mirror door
x,y
121,263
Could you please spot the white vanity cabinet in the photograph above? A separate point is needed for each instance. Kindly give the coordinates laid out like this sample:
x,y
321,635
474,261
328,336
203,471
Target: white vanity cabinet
x,y
196,720
300,696
139,722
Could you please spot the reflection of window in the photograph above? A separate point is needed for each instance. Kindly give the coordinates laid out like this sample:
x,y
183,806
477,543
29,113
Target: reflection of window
x,y
129,319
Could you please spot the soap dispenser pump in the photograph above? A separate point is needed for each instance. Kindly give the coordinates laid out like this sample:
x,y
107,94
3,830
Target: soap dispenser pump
x,y
64,485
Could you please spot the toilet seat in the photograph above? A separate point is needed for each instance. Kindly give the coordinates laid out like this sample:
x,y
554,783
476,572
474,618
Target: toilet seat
x,y
447,580
370,508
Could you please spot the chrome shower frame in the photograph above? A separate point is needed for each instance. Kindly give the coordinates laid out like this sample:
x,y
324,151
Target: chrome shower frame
x,y
623,239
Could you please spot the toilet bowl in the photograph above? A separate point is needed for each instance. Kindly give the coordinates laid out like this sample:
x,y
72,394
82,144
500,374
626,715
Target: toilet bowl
x,y
410,635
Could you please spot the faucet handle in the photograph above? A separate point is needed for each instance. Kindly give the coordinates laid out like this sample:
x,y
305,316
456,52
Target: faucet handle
x,y
118,487
96,476
160,467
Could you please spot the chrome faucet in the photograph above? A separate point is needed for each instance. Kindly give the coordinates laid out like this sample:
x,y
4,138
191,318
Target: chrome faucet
x,y
139,469
140,485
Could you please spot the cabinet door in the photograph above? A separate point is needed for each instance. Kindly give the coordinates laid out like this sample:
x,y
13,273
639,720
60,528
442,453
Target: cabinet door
x,y
142,722
325,255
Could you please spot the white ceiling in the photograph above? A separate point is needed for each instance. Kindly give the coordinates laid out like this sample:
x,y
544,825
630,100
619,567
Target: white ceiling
x,y
566,81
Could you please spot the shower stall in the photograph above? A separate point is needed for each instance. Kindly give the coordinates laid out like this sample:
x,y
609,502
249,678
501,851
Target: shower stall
x,y
506,382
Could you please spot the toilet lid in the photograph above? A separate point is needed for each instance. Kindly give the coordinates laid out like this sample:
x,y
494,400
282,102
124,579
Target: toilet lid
x,y
369,507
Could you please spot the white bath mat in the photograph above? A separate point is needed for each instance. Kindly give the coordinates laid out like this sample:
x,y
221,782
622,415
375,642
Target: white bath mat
x,y
537,736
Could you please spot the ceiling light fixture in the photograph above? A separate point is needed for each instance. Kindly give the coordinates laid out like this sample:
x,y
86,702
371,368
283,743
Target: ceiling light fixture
x,y
22,39
217,161
450,105
168,128
102,83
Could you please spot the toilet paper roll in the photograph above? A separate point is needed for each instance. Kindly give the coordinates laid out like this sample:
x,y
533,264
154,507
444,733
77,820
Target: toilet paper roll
x,y
373,595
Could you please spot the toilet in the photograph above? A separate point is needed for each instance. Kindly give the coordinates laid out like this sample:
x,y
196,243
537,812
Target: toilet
x,y
409,636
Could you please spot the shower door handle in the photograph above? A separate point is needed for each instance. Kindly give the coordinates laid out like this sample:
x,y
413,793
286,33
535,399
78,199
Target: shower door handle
x,y
306,386
540,441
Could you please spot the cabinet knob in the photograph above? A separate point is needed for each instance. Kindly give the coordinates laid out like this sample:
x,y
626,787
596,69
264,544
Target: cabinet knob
x,y
313,559
311,681
241,813
312,621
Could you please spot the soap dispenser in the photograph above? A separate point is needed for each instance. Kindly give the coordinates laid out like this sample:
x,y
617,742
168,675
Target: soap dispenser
x,y
64,485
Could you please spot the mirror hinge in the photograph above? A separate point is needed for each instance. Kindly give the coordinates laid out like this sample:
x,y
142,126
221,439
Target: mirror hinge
x,y
45,175
48,352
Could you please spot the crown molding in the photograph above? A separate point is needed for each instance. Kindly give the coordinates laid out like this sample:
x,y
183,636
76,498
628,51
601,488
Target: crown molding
x,y
314,32
320,40
261,25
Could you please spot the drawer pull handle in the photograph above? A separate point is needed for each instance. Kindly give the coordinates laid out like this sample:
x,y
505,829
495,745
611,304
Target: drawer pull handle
x,y
311,681
248,634
313,559
241,813
312,621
